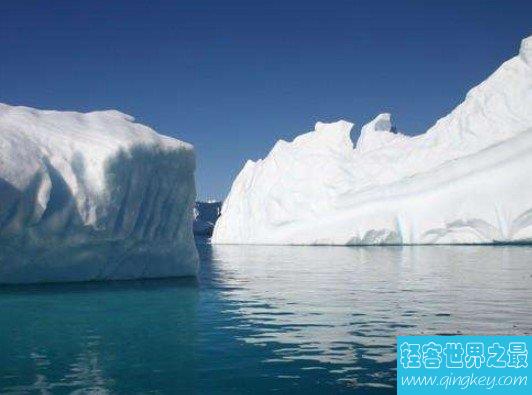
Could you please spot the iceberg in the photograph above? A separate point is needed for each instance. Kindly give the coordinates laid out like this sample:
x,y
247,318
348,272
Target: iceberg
x,y
205,216
466,180
92,196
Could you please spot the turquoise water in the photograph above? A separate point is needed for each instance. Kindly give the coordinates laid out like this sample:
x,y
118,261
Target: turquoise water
x,y
260,319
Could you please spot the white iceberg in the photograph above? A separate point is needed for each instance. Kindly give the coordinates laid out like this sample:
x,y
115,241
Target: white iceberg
x,y
91,197
466,180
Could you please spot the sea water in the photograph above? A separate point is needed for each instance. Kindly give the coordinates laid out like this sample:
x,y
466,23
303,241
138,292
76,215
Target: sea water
x,y
260,319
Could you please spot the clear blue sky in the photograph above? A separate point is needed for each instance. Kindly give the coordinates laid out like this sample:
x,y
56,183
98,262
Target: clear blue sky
x,y
232,77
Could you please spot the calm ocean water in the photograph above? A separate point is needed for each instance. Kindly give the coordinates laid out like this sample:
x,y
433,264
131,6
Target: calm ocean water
x,y
260,319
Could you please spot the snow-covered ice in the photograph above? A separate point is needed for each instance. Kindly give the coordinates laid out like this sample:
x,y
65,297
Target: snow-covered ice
x,y
92,196
466,180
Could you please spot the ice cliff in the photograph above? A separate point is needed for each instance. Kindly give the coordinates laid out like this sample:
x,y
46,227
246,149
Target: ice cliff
x,y
92,196
466,180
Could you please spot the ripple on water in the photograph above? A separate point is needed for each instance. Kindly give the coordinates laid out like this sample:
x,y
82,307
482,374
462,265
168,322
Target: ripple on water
x,y
260,318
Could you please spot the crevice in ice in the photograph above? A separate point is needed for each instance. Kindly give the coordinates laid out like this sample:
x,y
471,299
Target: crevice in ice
x,y
10,197
60,196
19,208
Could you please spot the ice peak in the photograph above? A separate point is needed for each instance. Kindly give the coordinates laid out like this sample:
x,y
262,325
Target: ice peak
x,y
376,133
381,123
340,126
525,51
337,134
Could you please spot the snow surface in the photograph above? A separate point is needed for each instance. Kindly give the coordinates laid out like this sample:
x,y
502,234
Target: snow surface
x,y
92,196
466,180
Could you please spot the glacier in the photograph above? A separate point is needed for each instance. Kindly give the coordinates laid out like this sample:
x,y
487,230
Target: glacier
x,y
92,196
466,180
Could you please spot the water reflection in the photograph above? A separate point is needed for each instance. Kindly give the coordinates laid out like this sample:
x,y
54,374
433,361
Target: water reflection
x,y
97,338
341,308
260,319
